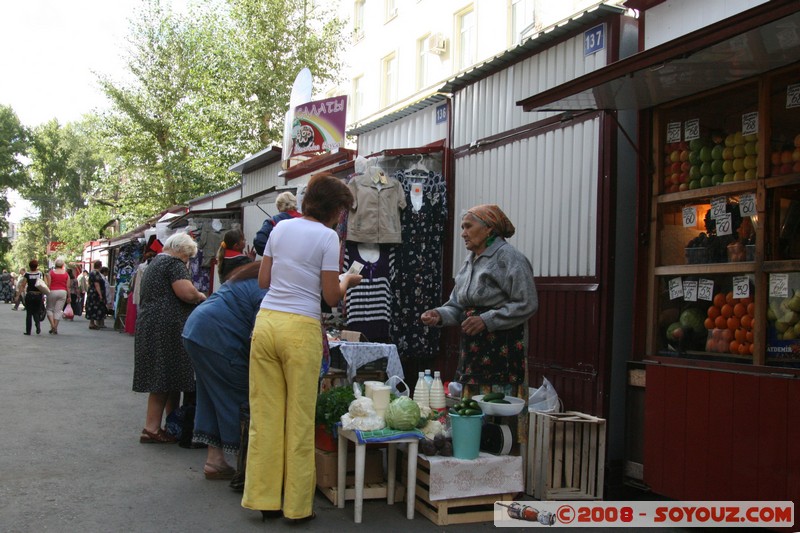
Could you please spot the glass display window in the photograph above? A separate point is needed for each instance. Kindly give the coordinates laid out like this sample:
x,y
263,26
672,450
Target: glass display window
x,y
783,320
784,140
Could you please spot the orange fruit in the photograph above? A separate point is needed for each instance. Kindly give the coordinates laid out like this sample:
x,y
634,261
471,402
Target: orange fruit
x,y
709,323
713,311
719,300
733,323
747,321
727,311
721,322
740,310
751,349
746,301
730,299
751,309
748,336
734,347
744,349
739,335
727,335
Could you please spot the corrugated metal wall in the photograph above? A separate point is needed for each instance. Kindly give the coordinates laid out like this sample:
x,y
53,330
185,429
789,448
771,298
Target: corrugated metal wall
x,y
489,106
547,185
261,179
412,131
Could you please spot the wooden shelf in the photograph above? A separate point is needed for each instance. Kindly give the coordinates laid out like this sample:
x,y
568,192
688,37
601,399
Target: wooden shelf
x,y
792,265
708,192
782,181
707,268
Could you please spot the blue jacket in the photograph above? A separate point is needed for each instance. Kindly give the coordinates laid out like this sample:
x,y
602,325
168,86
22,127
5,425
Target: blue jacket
x,y
260,240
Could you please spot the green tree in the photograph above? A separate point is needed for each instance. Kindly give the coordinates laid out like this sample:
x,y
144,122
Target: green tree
x,y
206,90
13,174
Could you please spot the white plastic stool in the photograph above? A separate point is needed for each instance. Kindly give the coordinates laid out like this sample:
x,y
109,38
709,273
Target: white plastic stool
x,y
361,452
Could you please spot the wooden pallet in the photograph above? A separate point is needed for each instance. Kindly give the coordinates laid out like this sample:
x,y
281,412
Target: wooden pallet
x,y
455,510
374,491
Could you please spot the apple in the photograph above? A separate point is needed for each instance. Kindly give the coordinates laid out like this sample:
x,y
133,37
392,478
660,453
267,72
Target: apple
x,y
775,158
796,154
775,170
727,153
739,151
675,178
738,138
684,155
683,177
750,162
683,187
786,156
683,145
751,137
750,174
727,167
685,166
750,148
675,167
674,156
738,164
738,175
730,140
705,154
786,168
716,152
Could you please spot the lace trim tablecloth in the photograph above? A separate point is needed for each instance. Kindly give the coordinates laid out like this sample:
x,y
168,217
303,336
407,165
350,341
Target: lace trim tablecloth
x,y
460,478
358,354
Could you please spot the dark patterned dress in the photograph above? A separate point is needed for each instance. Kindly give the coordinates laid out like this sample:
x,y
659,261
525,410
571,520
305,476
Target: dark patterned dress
x,y
161,363
96,304
417,279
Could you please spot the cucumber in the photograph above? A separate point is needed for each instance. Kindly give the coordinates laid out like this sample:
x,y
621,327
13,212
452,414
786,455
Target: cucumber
x,y
506,402
472,404
493,396
471,412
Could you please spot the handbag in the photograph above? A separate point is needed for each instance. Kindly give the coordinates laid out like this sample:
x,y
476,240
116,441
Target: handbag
x,y
42,287
42,313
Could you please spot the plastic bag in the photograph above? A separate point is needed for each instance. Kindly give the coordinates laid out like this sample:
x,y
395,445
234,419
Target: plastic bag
x,y
393,382
544,399
361,414
68,312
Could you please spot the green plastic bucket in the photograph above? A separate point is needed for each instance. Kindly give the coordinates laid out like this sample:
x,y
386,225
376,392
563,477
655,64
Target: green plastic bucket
x,y
466,433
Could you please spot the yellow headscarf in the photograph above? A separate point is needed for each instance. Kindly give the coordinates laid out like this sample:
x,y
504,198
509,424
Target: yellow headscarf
x,y
494,218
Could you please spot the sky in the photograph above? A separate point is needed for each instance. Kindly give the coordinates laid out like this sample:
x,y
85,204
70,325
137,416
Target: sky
x,y
50,50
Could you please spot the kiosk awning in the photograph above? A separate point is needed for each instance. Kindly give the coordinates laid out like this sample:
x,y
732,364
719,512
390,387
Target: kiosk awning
x,y
751,43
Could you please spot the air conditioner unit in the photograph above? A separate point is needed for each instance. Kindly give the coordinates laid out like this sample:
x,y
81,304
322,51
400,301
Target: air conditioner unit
x,y
437,43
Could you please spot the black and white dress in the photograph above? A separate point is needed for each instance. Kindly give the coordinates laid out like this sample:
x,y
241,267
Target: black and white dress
x,y
161,363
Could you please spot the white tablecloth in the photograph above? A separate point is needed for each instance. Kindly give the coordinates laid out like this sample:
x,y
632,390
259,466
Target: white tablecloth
x,y
358,354
487,474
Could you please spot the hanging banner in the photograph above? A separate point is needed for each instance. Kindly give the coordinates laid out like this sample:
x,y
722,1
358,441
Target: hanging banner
x,y
318,126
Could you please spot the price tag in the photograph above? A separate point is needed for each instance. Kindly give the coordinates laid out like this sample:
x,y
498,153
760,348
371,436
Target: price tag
x,y
705,290
741,287
675,288
750,123
724,224
747,204
691,129
718,206
689,217
690,291
779,285
793,96
674,132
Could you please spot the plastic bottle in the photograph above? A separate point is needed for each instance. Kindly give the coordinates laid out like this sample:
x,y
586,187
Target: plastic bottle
x,y
428,377
436,395
421,391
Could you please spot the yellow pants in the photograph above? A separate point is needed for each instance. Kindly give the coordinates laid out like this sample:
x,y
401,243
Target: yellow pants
x,y
284,369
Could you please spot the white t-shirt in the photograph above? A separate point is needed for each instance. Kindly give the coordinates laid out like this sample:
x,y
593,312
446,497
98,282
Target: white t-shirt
x,y
300,250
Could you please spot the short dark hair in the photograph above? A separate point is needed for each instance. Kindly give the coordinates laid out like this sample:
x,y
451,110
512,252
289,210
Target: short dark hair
x,y
325,196
98,264
33,264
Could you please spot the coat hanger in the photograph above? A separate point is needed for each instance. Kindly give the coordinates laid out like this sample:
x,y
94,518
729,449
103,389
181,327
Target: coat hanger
x,y
418,170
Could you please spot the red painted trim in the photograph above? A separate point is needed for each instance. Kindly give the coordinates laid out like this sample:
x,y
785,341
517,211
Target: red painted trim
x,y
316,163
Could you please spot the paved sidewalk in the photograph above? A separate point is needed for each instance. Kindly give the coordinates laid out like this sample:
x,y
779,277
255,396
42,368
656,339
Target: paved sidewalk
x,y
71,460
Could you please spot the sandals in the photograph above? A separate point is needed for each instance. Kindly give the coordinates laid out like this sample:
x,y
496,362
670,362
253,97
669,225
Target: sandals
x,y
159,437
218,472
93,327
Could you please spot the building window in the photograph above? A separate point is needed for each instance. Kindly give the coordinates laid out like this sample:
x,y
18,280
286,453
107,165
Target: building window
x,y
358,19
391,9
389,76
522,18
422,61
467,42
357,101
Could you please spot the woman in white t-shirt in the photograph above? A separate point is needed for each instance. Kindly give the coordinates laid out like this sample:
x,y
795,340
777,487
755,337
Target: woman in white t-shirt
x,y
301,261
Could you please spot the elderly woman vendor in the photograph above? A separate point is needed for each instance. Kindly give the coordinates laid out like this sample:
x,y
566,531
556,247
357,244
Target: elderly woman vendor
x,y
493,298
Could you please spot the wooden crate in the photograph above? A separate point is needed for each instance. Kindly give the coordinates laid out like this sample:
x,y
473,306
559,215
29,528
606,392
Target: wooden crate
x,y
566,456
455,510
372,491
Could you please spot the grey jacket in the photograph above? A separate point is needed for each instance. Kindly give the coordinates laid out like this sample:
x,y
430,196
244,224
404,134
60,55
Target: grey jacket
x,y
501,278
375,215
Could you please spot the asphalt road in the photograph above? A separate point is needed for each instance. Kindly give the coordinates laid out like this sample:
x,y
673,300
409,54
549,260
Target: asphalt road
x,y
70,457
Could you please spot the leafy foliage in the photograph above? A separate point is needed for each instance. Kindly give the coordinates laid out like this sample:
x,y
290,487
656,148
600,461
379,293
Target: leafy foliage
x,y
14,142
332,404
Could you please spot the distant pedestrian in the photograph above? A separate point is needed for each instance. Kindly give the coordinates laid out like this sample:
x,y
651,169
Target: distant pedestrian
x,y
96,297
58,281
18,293
6,286
74,294
109,296
34,298
83,287
232,253
286,203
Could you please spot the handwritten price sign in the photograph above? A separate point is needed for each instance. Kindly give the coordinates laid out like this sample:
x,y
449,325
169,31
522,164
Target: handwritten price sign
x,y
741,287
675,288
747,204
724,224
750,123
674,132
718,206
690,291
705,290
793,96
691,129
689,217
779,285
